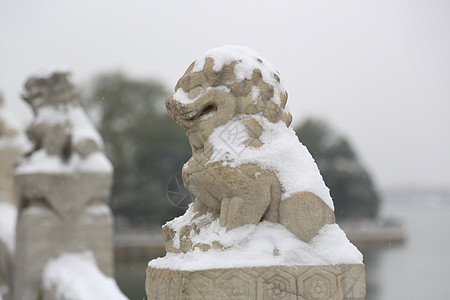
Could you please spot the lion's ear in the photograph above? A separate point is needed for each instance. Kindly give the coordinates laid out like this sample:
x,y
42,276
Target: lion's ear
x,y
287,118
283,98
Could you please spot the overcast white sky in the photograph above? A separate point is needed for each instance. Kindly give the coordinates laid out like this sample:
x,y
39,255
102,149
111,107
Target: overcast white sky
x,y
378,71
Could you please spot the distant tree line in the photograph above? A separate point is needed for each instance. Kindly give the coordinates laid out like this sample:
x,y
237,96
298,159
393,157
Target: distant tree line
x,y
351,187
148,149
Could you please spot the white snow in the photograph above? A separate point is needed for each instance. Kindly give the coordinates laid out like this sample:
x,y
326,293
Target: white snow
x,y
265,244
247,61
76,276
187,218
98,209
17,142
7,119
281,152
41,162
183,97
95,163
7,116
51,115
8,219
255,94
82,128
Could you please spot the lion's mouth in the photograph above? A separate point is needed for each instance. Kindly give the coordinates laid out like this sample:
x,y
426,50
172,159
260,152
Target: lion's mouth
x,y
187,115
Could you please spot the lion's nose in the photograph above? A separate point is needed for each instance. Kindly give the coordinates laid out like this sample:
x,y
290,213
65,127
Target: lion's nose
x,y
185,175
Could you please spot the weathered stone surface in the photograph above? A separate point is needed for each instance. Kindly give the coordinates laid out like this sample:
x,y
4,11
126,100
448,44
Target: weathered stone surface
x,y
62,186
10,144
11,141
7,160
276,282
43,235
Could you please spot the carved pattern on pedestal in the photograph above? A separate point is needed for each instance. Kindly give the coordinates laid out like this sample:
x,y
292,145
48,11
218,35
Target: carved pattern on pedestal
x,y
236,285
317,284
261,283
277,284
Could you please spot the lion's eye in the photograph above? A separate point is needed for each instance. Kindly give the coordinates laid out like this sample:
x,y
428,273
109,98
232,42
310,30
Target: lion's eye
x,y
195,92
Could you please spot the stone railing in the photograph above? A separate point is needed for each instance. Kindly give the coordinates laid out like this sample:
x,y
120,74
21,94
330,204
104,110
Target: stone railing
x,y
64,236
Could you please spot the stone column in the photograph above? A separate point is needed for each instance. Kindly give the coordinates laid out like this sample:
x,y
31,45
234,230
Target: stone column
x,y
11,141
62,185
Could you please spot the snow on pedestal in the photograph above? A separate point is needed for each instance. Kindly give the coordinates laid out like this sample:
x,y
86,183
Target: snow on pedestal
x,y
62,185
262,224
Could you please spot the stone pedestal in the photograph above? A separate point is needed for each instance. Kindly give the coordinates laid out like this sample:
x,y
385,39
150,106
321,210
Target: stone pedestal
x,y
274,282
7,160
62,186
74,218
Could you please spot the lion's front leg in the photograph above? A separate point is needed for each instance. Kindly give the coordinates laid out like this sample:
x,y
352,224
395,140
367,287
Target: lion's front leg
x,y
237,211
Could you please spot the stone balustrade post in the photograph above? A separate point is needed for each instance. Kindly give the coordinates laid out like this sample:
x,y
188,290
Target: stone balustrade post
x,y
62,185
